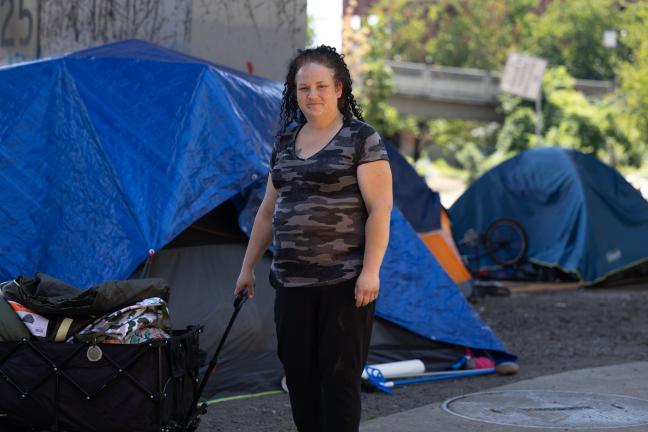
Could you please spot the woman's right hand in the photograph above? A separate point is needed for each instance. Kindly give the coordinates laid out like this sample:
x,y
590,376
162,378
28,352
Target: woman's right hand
x,y
245,281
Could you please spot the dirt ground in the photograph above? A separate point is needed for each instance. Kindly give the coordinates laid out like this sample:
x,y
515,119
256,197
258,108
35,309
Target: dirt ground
x,y
551,332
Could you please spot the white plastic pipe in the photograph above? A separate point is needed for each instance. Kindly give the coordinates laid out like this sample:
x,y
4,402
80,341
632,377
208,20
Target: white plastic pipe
x,y
399,369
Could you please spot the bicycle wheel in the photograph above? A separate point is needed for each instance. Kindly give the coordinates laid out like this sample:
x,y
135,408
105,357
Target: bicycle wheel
x,y
506,242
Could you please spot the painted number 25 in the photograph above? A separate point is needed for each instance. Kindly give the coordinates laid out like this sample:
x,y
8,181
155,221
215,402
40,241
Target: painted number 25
x,y
22,13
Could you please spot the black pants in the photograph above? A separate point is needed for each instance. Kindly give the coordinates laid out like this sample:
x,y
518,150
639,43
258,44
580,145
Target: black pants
x,y
323,341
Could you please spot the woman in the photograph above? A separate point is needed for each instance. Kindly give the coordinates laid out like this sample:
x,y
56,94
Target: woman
x,y
326,208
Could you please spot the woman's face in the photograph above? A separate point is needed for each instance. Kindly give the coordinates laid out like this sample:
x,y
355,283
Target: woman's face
x,y
317,91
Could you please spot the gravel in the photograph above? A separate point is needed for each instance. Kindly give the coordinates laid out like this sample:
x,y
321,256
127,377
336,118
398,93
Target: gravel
x,y
551,332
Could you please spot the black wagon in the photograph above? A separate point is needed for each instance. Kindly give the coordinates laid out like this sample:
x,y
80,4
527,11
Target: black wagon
x,y
149,387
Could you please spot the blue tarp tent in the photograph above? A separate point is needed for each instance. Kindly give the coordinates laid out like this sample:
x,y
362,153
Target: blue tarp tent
x,y
580,214
420,205
112,151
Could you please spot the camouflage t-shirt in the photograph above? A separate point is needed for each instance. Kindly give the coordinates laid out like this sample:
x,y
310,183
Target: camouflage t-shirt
x,y
319,217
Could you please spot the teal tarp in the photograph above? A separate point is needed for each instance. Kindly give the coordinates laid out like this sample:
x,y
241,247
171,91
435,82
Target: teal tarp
x,y
580,214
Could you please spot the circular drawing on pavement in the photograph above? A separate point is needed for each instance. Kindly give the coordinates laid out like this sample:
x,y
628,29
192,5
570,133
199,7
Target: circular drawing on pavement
x,y
550,409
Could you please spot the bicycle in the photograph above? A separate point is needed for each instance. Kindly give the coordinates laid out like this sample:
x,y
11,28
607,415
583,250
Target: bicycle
x,y
505,242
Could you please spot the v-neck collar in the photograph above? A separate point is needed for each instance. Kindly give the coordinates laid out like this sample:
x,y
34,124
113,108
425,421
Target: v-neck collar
x,y
294,142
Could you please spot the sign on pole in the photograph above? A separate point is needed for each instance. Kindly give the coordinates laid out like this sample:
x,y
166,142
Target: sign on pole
x,y
523,75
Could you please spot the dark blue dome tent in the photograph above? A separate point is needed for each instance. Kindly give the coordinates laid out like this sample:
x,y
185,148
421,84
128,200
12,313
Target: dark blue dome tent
x,y
580,215
112,151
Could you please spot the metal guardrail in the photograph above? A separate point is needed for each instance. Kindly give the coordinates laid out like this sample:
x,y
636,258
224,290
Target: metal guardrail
x,y
463,85
445,83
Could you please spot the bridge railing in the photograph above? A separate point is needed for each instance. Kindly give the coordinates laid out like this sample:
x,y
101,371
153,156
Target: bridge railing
x,y
464,84
445,83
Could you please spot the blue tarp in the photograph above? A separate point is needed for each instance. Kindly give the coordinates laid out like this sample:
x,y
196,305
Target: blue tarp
x,y
420,205
112,151
109,152
580,214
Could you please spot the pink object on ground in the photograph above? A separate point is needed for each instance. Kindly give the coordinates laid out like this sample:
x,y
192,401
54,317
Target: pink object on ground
x,y
484,363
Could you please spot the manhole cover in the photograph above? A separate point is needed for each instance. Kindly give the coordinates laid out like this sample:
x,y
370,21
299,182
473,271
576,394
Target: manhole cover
x,y
550,409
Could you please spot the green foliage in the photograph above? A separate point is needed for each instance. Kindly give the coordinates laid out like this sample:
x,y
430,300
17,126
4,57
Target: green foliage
x,y
569,120
570,33
477,33
406,25
463,33
310,31
481,34
376,84
463,144
632,96
518,131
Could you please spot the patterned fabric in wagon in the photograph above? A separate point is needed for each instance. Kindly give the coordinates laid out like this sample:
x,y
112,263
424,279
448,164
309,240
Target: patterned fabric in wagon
x,y
143,321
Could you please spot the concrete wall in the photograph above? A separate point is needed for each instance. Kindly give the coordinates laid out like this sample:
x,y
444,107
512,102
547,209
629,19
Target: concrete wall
x,y
19,23
263,34
250,35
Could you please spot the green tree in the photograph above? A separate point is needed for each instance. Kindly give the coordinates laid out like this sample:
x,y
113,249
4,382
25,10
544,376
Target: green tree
x,y
310,31
373,79
569,120
463,33
481,34
632,96
407,26
477,33
377,82
518,131
570,33
463,144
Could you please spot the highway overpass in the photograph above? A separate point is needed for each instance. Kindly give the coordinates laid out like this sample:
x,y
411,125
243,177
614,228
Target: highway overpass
x,y
431,91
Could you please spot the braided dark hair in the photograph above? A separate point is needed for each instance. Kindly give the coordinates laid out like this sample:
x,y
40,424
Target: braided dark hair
x,y
325,56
